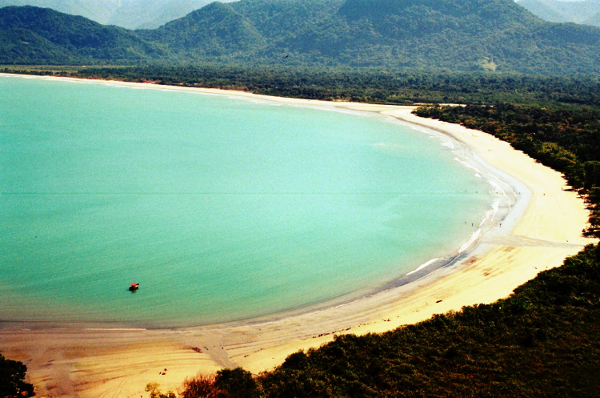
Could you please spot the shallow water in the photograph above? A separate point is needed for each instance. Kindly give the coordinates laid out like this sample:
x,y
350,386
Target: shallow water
x,y
221,208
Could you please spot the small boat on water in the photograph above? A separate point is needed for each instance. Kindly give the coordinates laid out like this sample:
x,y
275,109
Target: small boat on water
x,y
133,287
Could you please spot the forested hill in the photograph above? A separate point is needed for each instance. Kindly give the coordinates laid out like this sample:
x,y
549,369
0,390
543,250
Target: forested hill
x,y
440,34
30,35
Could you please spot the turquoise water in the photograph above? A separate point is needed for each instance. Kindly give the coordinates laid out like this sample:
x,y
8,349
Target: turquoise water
x,y
222,209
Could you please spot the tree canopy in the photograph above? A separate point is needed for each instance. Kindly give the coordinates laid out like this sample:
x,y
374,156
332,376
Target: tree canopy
x,y
12,379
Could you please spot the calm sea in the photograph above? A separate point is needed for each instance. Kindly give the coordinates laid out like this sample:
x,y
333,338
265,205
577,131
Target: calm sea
x,y
221,208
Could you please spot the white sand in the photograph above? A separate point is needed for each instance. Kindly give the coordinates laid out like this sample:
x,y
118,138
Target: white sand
x,y
119,363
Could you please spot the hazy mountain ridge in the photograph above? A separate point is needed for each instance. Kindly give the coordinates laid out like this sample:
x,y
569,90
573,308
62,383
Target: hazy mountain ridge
x,y
99,11
131,14
582,12
595,20
446,34
150,14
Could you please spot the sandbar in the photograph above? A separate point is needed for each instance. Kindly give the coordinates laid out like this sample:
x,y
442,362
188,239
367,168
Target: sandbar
x,y
77,361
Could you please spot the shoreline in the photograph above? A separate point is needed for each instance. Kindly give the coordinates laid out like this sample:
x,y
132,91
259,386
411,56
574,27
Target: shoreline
x,y
442,260
96,361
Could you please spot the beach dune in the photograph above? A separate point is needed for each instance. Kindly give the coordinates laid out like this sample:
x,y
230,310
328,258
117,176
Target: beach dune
x,y
77,361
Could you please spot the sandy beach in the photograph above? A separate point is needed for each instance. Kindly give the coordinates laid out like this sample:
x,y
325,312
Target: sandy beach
x,y
75,361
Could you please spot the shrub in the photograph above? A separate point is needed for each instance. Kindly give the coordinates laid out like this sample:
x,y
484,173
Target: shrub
x,y
12,379
201,386
237,382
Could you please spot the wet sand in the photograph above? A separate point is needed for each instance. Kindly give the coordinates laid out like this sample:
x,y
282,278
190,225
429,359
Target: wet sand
x,y
78,361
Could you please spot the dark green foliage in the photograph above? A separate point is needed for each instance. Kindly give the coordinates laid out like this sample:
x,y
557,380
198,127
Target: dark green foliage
x,y
32,34
238,382
356,84
594,201
12,379
451,35
215,30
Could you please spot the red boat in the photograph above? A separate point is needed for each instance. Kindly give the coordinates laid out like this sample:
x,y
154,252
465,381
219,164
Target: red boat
x,y
133,287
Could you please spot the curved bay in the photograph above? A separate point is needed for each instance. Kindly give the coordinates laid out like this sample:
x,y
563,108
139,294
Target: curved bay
x,y
220,208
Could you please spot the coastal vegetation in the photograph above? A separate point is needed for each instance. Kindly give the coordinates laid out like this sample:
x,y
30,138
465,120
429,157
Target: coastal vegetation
x,y
371,85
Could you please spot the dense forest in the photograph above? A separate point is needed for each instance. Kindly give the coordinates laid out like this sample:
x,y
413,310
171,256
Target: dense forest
x,y
449,35
372,85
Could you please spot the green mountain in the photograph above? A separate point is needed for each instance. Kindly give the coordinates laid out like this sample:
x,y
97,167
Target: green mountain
x,y
451,34
41,35
216,30
428,34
